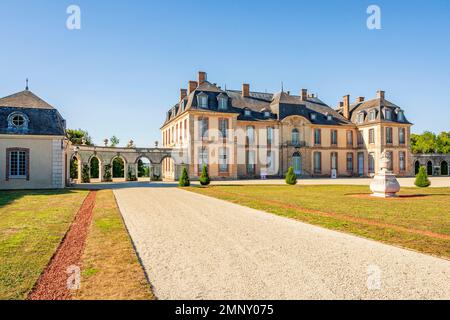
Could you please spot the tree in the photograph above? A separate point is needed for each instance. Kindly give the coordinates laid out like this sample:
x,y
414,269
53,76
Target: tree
x,y
443,143
114,141
184,179
422,180
76,136
74,168
107,176
204,177
291,178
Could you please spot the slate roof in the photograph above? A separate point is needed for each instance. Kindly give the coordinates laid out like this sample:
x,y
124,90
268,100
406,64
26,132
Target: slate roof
x,y
280,105
43,118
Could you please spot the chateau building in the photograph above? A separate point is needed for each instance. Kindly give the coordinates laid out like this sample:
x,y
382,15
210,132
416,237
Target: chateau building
x,y
242,134
32,143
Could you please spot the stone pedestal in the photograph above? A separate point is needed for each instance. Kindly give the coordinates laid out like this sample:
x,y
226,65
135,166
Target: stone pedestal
x,y
384,184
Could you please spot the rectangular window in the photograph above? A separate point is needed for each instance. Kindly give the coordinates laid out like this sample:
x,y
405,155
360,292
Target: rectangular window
x,y
371,162
317,137
334,137
388,135
203,159
269,136
402,160
223,128
270,163
390,156
401,135
250,135
17,164
372,136
185,128
317,162
250,155
349,138
203,124
223,160
350,162
360,138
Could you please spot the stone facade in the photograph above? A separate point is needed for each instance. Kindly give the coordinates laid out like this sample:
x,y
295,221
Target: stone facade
x,y
436,164
351,139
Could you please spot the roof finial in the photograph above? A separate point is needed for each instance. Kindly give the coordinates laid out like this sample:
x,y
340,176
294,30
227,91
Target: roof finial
x,y
26,88
282,86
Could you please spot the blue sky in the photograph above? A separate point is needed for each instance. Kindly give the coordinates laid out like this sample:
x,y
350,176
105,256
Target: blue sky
x,y
124,68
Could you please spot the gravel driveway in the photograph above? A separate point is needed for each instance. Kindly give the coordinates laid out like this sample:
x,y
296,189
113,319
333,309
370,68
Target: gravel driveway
x,y
196,247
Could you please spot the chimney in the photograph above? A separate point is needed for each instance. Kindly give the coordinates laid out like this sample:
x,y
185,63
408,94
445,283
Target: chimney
x,y
360,99
192,86
346,110
183,94
340,105
201,77
246,90
304,94
380,94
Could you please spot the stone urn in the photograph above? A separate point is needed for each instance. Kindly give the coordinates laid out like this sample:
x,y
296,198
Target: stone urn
x,y
385,184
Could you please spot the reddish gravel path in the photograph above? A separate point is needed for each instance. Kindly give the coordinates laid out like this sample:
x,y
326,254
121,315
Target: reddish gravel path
x,y
52,284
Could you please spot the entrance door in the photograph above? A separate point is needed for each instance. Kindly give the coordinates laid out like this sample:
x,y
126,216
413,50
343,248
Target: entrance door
x,y
297,163
360,163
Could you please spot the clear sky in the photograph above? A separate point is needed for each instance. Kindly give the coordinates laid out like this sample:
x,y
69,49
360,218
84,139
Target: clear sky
x,y
121,72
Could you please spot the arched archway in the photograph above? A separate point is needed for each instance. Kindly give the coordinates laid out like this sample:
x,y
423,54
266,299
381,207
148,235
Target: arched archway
x,y
118,168
416,167
430,168
444,168
94,170
143,167
297,163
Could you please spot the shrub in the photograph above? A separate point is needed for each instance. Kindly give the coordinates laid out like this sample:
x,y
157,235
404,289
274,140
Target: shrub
x,y
291,178
184,179
422,180
204,177
85,177
131,176
107,176
156,177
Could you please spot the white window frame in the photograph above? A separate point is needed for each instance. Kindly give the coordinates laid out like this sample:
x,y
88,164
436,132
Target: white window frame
x,y
18,162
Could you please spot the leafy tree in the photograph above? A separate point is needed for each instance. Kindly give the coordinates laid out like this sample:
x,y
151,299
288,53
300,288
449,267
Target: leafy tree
x,y
422,180
131,176
118,168
184,179
143,169
114,141
85,178
443,143
74,168
95,168
204,177
76,136
291,178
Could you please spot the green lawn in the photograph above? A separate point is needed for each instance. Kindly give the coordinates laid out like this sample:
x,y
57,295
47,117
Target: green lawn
x,y
110,267
32,224
417,222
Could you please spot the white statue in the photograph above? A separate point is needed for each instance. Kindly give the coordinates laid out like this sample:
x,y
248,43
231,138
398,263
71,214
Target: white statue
x,y
385,184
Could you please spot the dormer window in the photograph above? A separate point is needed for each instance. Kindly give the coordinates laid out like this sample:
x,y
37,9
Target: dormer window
x,y
329,117
266,114
182,105
17,120
313,116
401,116
202,100
388,114
372,115
360,117
223,102
247,112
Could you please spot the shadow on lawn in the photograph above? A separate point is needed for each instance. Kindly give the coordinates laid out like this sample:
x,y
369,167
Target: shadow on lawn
x,y
9,196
